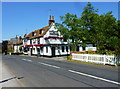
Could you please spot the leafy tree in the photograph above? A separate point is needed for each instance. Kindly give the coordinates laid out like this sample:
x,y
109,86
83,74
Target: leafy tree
x,y
104,32
101,30
69,27
114,40
87,21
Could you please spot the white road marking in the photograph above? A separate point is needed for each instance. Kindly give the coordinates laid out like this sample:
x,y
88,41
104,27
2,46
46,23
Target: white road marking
x,y
27,60
80,73
24,59
94,77
49,65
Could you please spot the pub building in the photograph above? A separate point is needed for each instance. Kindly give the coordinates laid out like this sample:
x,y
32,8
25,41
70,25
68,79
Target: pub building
x,y
46,41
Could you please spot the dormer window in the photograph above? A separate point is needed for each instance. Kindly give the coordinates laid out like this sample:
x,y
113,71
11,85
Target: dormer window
x,y
33,33
40,32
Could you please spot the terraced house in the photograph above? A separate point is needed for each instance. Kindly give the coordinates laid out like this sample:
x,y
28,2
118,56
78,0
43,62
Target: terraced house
x,y
46,41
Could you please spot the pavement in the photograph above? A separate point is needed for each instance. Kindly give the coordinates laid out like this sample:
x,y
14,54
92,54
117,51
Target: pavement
x,y
52,58
7,78
39,72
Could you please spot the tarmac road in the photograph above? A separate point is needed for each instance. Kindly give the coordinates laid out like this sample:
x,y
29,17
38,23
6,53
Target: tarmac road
x,y
40,72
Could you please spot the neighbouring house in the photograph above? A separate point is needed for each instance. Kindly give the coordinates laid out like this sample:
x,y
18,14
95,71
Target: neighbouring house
x,y
12,42
46,41
4,46
10,46
18,45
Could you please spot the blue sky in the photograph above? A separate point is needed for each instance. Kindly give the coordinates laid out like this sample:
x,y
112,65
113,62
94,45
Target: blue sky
x,y
19,18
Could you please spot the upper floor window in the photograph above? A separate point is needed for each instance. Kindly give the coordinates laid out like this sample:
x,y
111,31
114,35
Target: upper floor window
x,y
30,41
38,40
25,40
34,41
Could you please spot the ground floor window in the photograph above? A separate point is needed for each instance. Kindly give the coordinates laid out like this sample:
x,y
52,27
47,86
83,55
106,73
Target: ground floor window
x,y
58,49
66,48
38,50
62,48
41,48
46,49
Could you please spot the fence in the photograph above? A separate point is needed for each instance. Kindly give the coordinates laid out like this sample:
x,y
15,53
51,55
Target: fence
x,y
101,59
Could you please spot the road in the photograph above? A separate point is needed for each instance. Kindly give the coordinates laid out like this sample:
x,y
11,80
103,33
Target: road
x,y
39,72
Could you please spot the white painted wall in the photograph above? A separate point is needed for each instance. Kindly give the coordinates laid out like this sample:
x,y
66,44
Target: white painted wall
x,y
16,48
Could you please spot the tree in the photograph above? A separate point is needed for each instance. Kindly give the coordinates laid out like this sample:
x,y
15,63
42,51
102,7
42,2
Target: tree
x,y
105,33
87,22
69,28
114,40
78,29
101,30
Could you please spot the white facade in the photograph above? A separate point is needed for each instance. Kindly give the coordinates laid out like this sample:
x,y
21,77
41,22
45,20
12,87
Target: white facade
x,y
17,48
50,44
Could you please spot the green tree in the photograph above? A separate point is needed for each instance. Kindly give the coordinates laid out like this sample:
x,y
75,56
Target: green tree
x,y
114,39
101,30
87,22
105,32
69,28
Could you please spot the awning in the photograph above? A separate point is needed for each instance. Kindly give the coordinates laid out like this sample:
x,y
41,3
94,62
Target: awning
x,y
27,45
53,38
32,45
39,45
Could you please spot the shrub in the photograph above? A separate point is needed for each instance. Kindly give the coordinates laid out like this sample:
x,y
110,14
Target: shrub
x,y
10,51
20,48
69,58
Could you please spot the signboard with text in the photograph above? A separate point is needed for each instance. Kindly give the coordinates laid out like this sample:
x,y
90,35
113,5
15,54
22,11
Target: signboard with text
x,y
53,33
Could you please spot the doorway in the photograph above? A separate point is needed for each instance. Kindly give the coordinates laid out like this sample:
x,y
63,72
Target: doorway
x,y
30,51
53,51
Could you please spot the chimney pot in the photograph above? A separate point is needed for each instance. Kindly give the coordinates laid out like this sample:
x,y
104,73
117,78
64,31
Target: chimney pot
x,y
51,20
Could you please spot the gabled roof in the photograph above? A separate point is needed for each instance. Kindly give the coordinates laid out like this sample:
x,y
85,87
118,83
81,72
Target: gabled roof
x,y
45,29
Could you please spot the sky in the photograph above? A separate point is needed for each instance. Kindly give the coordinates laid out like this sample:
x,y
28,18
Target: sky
x,y
19,18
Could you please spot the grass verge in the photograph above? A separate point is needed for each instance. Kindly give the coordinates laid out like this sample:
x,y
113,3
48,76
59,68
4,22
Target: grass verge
x,y
96,64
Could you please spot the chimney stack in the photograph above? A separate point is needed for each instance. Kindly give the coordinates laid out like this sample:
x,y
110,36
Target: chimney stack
x,y
51,20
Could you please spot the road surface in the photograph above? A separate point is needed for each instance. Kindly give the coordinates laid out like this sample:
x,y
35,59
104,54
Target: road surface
x,y
39,72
